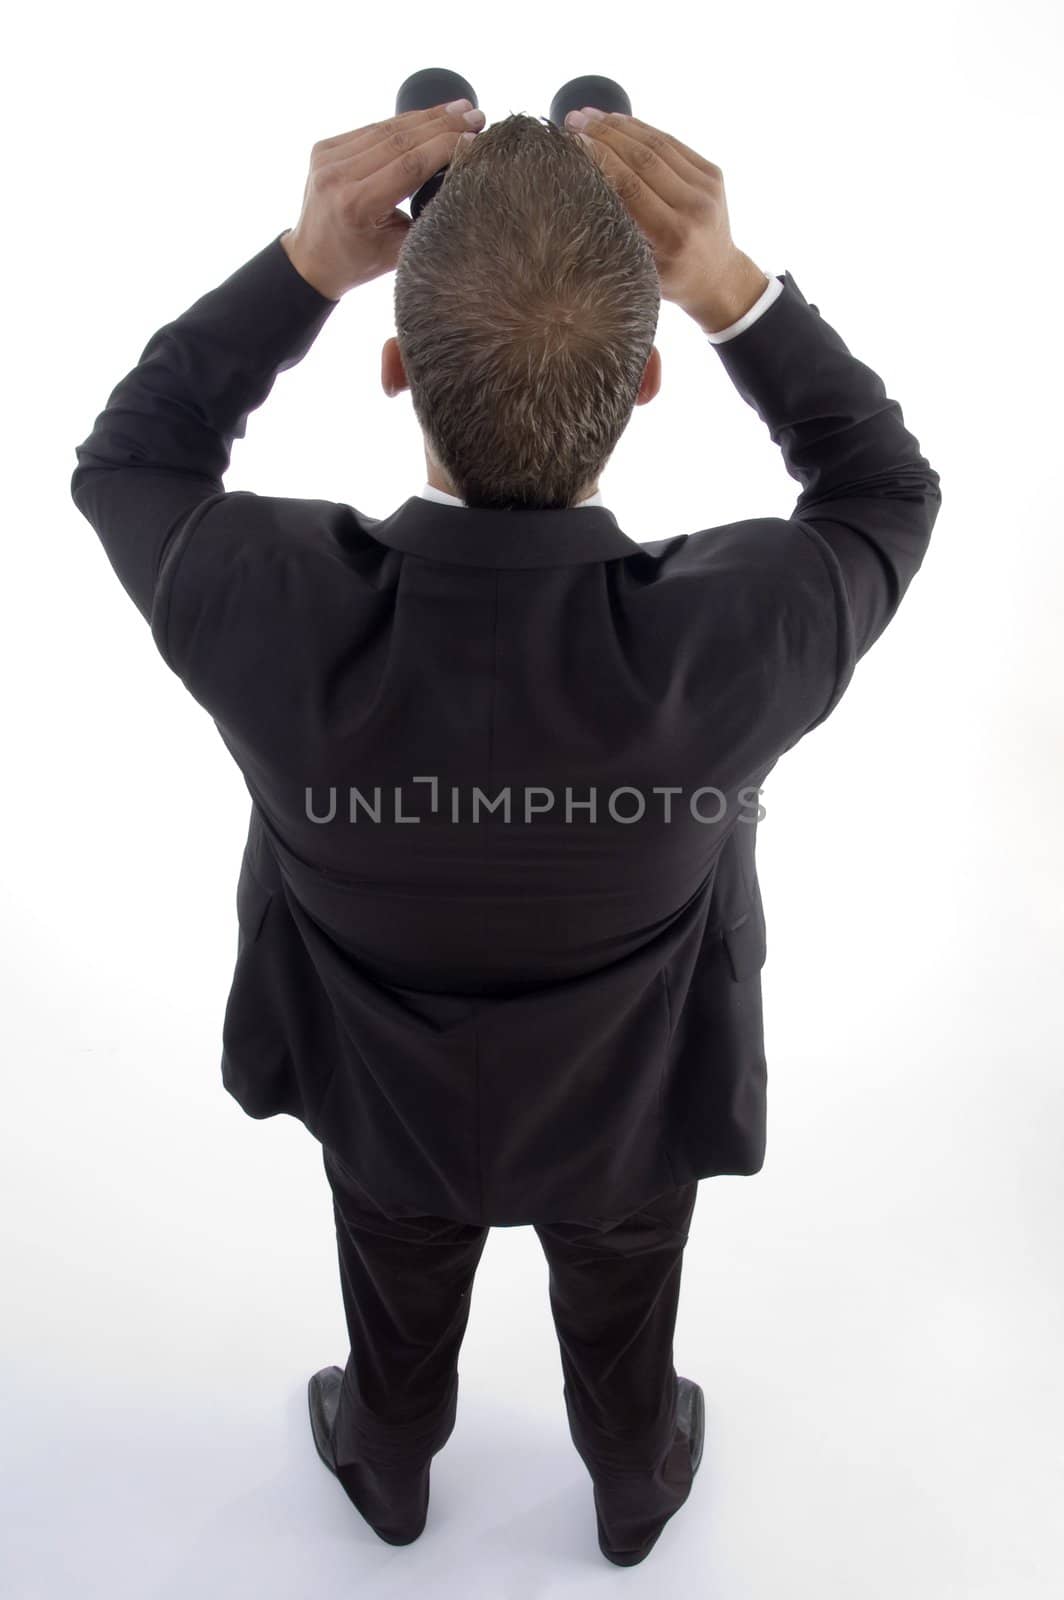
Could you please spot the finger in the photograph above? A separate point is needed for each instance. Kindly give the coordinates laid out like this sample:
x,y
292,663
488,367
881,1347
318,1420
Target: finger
x,y
655,215
639,169
385,178
362,138
615,126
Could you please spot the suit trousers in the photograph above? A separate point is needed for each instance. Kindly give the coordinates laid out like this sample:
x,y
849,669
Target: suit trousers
x,y
614,1291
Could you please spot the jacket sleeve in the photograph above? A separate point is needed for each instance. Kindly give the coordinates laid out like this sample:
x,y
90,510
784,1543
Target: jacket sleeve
x,y
149,475
869,498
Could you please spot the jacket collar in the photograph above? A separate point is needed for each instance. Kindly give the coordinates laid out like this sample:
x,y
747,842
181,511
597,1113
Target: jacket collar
x,y
430,491
471,537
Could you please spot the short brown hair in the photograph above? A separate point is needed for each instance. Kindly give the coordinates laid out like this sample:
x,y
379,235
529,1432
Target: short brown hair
x,y
526,304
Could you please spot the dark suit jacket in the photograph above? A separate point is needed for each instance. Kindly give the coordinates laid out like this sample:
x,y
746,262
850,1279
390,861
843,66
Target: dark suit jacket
x,y
509,1019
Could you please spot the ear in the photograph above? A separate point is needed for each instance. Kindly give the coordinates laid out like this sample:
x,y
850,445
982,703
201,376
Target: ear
x,y
651,382
393,377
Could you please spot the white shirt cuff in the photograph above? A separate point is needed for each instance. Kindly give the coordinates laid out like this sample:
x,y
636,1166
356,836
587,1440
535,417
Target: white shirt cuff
x,y
772,291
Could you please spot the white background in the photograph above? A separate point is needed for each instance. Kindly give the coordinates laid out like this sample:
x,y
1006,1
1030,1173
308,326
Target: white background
x,y
876,1319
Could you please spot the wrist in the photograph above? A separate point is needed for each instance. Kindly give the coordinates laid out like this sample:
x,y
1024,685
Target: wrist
x,y
730,296
307,269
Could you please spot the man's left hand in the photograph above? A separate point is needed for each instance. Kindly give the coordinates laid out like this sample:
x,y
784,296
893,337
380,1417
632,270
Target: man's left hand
x,y
349,230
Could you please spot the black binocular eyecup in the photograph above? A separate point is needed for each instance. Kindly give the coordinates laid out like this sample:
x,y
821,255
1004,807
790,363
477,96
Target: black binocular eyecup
x,y
435,86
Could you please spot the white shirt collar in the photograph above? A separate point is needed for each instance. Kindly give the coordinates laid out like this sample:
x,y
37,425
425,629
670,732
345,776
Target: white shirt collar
x,y
429,491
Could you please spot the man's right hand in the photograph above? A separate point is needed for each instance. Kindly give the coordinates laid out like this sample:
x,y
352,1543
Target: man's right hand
x,y
677,198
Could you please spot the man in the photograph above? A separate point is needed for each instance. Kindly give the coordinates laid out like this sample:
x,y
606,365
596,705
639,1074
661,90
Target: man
x,y
500,931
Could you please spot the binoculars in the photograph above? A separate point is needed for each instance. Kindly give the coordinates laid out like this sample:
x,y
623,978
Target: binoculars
x,y
434,86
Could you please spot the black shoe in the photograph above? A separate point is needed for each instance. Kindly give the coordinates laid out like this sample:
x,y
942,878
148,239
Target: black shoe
x,y
691,1417
323,1393
690,1425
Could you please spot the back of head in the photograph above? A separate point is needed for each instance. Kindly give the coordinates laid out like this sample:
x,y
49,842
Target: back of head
x,y
526,304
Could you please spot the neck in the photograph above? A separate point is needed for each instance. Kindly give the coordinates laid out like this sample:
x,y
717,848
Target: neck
x,y
439,480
